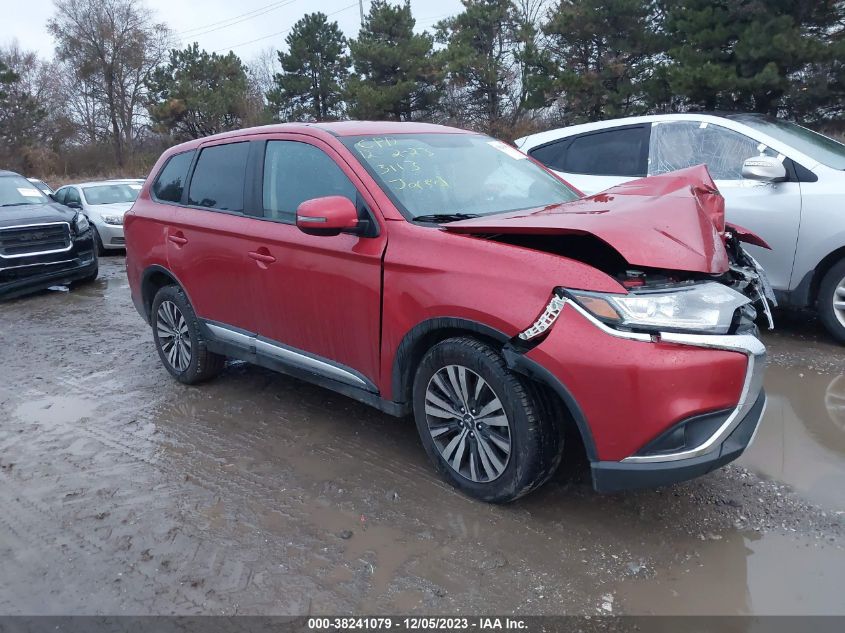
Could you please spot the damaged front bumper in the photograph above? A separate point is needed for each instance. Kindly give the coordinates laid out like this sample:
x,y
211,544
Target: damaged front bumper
x,y
653,408
699,444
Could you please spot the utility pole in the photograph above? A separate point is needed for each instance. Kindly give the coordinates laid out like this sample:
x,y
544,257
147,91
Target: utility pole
x,y
361,8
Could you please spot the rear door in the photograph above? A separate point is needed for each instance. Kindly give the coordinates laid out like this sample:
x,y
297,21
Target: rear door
x,y
208,236
595,161
320,295
772,210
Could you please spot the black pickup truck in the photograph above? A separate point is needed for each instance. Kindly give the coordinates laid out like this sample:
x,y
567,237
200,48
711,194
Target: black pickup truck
x,y
42,243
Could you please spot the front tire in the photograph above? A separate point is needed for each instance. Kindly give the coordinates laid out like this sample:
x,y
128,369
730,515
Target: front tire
x,y
831,301
486,429
179,341
98,243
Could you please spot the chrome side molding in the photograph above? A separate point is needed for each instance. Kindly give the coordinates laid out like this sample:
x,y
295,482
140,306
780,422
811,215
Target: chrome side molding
x,y
288,355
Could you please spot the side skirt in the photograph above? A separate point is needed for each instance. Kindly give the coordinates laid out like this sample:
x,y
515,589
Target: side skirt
x,y
249,347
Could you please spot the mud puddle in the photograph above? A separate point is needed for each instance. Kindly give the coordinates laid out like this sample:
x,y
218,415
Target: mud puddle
x,y
743,573
801,440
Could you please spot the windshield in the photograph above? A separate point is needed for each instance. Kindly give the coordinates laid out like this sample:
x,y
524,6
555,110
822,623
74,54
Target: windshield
x,y
817,146
456,174
110,194
17,190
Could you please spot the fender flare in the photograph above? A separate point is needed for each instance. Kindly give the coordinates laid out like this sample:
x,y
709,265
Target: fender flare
x,y
413,346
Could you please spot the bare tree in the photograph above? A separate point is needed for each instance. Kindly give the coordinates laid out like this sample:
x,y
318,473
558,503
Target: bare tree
x,y
112,46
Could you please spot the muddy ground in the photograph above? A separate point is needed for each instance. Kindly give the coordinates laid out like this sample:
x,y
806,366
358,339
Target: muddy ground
x,y
124,492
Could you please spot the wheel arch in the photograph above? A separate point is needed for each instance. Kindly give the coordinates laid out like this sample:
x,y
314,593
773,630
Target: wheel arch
x,y
426,334
828,262
153,279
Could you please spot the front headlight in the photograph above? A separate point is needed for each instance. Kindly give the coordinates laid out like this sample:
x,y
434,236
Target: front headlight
x,y
116,220
80,223
707,307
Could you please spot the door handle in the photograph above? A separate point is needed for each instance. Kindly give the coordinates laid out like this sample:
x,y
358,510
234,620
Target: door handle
x,y
178,239
264,258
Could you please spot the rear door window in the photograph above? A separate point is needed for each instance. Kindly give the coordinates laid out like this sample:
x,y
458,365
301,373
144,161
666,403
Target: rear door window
x,y
295,172
170,184
552,155
615,152
219,178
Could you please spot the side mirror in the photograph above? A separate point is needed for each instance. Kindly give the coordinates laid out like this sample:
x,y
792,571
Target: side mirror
x,y
73,204
329,215
764,169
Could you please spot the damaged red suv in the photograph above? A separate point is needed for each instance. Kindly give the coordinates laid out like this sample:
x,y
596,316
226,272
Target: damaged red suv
x,y
431,271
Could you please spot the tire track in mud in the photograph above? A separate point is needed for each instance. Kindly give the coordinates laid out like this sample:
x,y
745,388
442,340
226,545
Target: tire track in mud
x,y
126,444
25,517
205,471
208,561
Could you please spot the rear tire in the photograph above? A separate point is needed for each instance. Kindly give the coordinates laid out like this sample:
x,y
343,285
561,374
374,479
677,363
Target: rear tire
x,y
178,338
487,430
831,301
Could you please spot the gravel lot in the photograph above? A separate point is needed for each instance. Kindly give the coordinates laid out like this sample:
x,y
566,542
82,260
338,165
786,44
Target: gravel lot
x,y
124,492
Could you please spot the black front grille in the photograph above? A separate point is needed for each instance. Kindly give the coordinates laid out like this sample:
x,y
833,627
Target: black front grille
x,y
19,241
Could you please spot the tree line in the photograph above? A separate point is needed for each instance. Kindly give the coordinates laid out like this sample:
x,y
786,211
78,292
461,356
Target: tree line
x,y
117,91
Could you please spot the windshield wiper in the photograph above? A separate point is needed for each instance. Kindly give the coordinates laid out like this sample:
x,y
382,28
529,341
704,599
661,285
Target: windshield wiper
x,y
445,217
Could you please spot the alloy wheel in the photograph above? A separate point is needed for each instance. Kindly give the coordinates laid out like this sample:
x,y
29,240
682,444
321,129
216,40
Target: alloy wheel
x,y
468,423
839,301
173,336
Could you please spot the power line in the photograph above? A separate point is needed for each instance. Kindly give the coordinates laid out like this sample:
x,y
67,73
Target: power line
x,y
250,17
234,17
266,37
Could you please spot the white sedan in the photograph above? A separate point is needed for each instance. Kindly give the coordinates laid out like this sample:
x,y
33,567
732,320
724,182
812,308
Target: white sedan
x,y
779,180
104,203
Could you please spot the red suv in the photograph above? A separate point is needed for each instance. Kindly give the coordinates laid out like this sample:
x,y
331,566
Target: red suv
x,y
437,272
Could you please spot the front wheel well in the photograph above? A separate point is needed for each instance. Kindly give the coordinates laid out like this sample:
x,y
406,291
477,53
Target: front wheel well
x,y
425,336
557,400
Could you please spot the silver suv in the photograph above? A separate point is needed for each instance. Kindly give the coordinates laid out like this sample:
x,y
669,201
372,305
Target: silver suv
x,y
780,180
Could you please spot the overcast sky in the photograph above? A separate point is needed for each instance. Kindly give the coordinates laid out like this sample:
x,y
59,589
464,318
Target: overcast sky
x,y
246,26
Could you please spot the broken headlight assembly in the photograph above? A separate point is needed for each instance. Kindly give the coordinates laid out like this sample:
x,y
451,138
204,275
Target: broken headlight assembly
x,y
703,308
706,308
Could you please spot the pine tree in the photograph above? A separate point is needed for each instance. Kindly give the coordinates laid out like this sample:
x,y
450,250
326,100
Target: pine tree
x,y
746,54
197,94
314,71
394,75
482,63
598,58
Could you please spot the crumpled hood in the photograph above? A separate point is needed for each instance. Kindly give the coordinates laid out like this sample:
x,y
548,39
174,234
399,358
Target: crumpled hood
x,y
673,221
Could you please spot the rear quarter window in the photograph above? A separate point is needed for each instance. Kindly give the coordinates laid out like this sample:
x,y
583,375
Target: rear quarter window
x,y
170,183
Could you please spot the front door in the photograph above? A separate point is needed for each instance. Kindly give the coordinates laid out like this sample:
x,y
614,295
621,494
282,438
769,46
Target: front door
x,y
320,295
771,210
